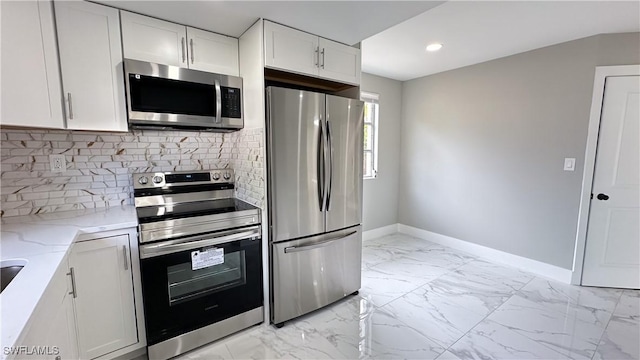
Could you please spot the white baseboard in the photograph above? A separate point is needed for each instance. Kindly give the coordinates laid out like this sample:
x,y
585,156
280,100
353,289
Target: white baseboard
x,y
379,232
526,264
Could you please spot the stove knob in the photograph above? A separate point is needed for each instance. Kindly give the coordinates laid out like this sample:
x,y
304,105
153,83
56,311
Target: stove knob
x,y
216,176
157,179
143,180
227,175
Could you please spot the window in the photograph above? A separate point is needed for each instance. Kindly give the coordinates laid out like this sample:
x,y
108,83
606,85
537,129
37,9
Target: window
x,y
371,110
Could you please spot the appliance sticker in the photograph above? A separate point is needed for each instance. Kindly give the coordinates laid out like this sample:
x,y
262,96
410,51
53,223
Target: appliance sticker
x,y
205,258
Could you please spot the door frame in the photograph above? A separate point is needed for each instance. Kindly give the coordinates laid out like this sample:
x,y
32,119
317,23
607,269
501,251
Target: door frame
x,y
601,74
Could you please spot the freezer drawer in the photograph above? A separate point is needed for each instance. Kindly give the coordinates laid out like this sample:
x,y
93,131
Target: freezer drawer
x,y
310,273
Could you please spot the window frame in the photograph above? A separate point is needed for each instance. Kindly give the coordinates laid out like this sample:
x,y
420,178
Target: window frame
x,y
374,99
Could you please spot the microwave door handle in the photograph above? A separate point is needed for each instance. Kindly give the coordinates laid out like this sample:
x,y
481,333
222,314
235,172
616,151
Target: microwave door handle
x,y
218,102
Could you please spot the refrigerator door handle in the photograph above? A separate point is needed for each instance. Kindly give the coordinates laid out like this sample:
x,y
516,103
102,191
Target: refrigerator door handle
x,y
330,172
293,249
320,167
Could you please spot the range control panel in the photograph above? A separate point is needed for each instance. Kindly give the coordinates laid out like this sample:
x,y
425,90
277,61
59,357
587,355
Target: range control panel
x,y
182,178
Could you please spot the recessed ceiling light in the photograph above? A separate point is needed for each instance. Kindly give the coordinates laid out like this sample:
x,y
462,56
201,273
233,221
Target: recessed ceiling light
x,y
434,47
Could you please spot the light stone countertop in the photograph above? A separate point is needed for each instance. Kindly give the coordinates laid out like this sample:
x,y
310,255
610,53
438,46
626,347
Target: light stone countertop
x,y
44,241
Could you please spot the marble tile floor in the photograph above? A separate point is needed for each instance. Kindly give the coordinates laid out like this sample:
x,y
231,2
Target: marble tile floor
x,y
421,300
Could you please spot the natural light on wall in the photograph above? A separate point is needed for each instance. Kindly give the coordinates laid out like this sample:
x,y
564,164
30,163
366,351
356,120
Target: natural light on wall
x,y
371,110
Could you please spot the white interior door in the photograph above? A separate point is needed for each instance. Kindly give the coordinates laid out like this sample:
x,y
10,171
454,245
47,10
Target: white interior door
x,y
612,255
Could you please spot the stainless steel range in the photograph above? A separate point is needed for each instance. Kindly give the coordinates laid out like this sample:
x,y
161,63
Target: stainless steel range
x,y
200,259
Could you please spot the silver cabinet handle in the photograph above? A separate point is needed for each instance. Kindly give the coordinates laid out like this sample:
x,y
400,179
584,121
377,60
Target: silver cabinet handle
x,y
330,172
294,249
322,65
73,282
218,102
70,106
124,255
320,169
191,53
184,56
317,56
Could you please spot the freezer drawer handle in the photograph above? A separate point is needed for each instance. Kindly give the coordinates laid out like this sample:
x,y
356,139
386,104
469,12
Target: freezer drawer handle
x,y
293,249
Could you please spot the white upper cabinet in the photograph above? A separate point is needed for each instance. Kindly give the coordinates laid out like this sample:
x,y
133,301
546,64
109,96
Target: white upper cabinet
x,y
212,52
31,93
148,39
104,296
290,49
339,62
91,63
162,42
299,52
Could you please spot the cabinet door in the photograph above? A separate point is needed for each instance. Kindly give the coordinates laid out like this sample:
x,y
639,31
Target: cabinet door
x,y
290,49
62,330
31,92
104,305
91,62
212,52
153,40
339,62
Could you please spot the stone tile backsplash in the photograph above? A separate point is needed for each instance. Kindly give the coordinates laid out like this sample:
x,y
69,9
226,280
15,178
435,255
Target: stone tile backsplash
x,y
99,165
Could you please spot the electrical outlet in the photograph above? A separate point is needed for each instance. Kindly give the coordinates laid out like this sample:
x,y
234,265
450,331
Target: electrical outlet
x,y
58,163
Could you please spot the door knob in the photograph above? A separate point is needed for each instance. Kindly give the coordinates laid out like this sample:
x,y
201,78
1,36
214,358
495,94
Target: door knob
x,y
602,197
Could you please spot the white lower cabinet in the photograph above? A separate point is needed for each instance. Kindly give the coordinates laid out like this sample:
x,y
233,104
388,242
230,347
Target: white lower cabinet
x,y
92,308
52,330
62,330
104,298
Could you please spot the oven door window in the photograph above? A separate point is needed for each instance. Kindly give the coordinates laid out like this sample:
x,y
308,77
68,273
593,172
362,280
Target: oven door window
x,y
185,284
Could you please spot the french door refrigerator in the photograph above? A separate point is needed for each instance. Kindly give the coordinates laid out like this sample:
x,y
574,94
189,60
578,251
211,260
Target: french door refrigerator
x,y
314,165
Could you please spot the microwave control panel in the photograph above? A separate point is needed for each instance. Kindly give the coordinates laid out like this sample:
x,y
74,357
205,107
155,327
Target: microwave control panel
x,y
231,102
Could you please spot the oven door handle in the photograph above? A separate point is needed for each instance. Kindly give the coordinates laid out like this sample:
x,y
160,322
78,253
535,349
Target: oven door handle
x,y
174,246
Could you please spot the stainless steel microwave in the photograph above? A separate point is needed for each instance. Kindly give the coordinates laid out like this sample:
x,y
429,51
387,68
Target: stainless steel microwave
x,y
170,97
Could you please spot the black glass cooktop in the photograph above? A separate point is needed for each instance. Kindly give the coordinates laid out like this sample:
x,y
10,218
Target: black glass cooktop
x,y
196,208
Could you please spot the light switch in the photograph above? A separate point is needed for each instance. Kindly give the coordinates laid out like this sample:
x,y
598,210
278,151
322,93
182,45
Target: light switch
x,y
569,164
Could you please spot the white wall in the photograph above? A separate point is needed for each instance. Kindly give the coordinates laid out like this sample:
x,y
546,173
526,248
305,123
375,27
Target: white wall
x,y
483,147
380,195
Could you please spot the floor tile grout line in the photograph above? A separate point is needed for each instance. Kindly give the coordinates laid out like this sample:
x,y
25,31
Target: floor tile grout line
x,y
595,351
508,328
514,292
472,258
543,344
484,318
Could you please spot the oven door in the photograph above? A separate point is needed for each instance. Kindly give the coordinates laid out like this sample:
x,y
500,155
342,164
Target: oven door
x,y
194,282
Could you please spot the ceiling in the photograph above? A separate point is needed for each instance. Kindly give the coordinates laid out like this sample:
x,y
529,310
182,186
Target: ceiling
x,y
348,22
477,31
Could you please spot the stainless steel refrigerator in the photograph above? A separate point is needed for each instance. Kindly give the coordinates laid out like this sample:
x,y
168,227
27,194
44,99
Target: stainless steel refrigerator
x,y
314,165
